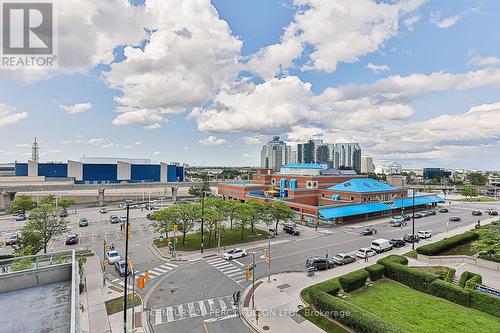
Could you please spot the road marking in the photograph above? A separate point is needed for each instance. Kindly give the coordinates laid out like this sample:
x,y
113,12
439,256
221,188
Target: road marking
x,y
211,305
202,308
211,320
221,265
158,317
180,310
170,314
231,270
159,269
166,265
222,305
235,274
239,263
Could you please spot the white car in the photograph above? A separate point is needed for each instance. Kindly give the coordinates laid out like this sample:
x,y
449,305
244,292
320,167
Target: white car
x,y
123,219
234,253
360,253
113,257
424,234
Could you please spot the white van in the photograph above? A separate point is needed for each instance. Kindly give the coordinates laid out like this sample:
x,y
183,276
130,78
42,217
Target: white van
x,y
381,245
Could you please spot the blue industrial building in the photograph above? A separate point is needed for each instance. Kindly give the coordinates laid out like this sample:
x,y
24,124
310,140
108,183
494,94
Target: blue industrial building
x,y
103,173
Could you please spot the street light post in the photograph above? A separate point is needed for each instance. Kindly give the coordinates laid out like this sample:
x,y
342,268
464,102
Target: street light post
x,y
268,258
126,274
253,280
413,221
202,217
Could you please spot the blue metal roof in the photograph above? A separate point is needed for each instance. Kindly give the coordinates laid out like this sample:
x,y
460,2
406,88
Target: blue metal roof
x,y
302,166
362,185
354,210
408,202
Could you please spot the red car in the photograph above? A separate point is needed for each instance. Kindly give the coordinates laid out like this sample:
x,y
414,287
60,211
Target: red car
x,y
11,240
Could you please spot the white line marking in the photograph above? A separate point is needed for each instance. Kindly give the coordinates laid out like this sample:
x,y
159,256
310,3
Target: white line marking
x,y
167,265
181,311
239,263
235,274
216,260
192,311
161,270
222,304
211,304
229,271
170,314
202,308
158,319
211,320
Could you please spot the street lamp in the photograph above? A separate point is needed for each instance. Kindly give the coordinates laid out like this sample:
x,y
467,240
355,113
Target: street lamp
x,y
126,273
202,216
413,221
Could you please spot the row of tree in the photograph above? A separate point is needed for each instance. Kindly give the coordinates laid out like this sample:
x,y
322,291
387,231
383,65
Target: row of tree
x,y
235,213
25,203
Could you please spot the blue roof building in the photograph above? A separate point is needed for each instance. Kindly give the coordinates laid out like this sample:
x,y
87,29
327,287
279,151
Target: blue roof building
x,y
363,185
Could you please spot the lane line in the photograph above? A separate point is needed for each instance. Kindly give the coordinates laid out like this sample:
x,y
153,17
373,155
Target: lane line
x,y
202,308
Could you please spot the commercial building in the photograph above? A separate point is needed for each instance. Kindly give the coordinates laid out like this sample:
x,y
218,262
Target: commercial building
x,y
367,165
317,193
7,169
274,154
347,156
102,173
435,173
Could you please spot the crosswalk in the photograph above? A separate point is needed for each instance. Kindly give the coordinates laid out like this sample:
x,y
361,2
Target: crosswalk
x,y
227,268
212,308
153,273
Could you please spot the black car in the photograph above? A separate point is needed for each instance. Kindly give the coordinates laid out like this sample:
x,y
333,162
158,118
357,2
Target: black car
x,y
319,263
72,239
150,216
120,268
455,219
494,213
63,213
395,242
477,213
19,212
114,219
368,231
21,217
443,210
83,222
291,229
410,238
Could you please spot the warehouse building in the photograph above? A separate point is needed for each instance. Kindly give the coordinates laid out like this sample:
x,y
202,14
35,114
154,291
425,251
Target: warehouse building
x,y
103,173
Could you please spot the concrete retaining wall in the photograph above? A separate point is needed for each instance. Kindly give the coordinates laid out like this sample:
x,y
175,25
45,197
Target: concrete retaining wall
x,y
438,260
31,278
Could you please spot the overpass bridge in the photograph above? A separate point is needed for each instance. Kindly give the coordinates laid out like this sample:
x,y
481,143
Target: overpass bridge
x,y
8,190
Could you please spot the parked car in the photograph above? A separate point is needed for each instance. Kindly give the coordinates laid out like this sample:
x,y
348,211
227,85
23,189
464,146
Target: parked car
x,y
120,268
84,222
150,216
123,219
291,229
234,253
477,213
114,219
455,219
443,210
63,213
419,215
411,238
17,212
11,239
342,259
494,213
103,210
396,220
396,242
150,206
399,223
20,217
113,257
381,245
360,253
319,263
368,231
71,239
424,234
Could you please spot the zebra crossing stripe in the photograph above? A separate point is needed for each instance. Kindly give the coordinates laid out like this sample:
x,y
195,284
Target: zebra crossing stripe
x,y
202,308
211,305
235,274
222,304
158,269
215,260
192,311
229,271
170,314
158,317
239,263
180,309
222,265
169,265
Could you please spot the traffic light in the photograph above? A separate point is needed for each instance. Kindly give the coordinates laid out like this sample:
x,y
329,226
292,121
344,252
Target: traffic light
x,y
105,263
247,274
140,282
105,247
257,314
266,252
146,275
128,233
175,228
130,265
218,224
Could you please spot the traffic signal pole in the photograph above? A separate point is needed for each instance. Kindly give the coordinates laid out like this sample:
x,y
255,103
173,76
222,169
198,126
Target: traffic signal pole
x,y
253,280
126,274
268,259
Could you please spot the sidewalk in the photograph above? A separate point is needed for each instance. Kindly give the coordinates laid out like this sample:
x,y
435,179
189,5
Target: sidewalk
x,y
280,299
94,317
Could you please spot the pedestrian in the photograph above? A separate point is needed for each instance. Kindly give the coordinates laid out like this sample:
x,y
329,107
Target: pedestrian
x,y
401,225
366,256
121,226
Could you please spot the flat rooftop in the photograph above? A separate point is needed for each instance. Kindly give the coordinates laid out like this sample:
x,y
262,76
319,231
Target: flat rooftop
x,y
45,308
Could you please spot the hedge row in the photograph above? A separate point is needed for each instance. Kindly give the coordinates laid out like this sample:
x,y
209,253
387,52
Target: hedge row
x,y
449,275
396,269
436,248
353,280
331,287
449,292
473,282
375,271
484,302
351,315
466,276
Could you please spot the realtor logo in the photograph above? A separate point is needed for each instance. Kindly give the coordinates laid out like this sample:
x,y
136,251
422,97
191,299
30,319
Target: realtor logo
x,y
28,31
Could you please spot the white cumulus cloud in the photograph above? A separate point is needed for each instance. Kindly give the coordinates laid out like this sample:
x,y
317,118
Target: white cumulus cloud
x,y
212,141
9,115
75,108
377,68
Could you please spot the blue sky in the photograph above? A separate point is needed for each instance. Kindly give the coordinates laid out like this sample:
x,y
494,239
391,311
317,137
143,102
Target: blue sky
x,y
412,81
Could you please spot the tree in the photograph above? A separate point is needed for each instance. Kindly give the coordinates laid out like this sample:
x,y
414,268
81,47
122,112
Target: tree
x,y
43,225
65,203
48,200
204,188
212,216
476,178
189,213
280,212
258,210
468,191
165,219
230,209
22,202
243,216
489,240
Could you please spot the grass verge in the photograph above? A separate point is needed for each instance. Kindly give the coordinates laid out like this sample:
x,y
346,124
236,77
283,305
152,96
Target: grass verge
x,y
414,311
321,321
464,249
229,237
411,254
115,305
478,199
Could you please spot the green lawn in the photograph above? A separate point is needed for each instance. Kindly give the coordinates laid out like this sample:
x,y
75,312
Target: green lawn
x,y
464,249
229,237
321,321
414,311
411,254
439,271
116,304
478,199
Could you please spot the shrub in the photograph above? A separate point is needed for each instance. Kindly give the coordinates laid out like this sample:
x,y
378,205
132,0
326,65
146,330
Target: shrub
x,y
414,278
354,280
466,276
473,282
446,244
449,275
375,271
484,302
331,287
449,292
358,319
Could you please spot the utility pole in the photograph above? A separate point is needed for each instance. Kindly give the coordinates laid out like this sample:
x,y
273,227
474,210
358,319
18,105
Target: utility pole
x,y
126,273
253,280
268,259
413,221
218,237
202,216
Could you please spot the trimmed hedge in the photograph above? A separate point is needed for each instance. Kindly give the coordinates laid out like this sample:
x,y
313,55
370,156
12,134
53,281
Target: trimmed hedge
x,y
351,315
353,280
331,287
436,248
484,302
473,282
449,275
396,269
449,291
466,276
375,271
